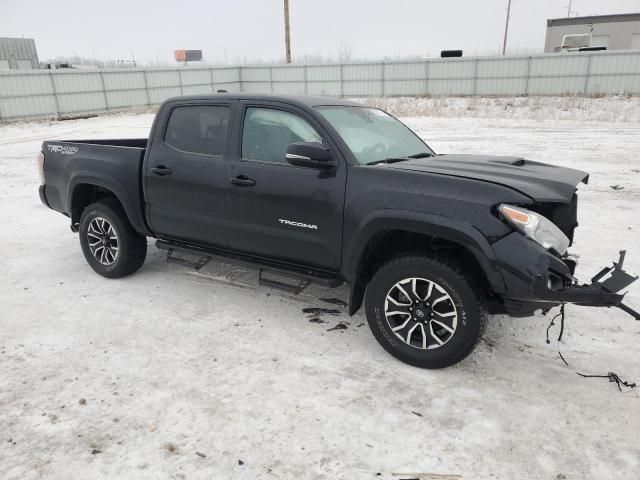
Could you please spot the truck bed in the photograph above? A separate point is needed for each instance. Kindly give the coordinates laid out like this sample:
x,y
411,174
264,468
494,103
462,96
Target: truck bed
x,y
115,164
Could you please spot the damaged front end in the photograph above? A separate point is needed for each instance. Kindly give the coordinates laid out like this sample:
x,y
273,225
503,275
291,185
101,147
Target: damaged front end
x,y
537,267
536,278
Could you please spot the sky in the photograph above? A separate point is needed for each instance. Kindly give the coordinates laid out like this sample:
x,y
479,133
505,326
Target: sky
x,y
252,31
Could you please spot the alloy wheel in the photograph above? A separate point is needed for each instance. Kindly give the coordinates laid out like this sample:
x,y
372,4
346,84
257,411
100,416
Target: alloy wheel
x,y
103,241
421,313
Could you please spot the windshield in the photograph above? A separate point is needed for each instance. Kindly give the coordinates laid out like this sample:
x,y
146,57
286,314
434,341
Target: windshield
x,y
373,135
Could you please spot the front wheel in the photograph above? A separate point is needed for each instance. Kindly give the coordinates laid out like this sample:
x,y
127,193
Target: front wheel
x,y
109,243
425,311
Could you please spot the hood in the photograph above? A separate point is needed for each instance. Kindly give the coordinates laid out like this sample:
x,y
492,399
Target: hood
x,y
540,181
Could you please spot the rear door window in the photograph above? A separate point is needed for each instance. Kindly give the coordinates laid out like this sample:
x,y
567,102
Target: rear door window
x,y
200,129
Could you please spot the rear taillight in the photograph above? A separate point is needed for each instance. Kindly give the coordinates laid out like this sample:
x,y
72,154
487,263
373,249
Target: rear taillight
x,y
41,167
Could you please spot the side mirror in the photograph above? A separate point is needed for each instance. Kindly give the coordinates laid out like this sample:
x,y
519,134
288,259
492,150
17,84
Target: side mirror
x,y
310,154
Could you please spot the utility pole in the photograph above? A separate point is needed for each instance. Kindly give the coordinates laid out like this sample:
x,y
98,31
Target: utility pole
x,y
569,9
506,28
287,39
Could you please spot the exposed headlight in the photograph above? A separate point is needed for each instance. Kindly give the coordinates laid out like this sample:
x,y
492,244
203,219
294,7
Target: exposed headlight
x,y
538,228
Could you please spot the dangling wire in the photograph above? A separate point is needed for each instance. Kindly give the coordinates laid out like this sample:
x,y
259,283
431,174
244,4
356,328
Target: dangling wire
x,y
552,324
613,377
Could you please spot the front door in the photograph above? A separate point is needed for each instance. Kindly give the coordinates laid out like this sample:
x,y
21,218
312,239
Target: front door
x,y
187,175
278,210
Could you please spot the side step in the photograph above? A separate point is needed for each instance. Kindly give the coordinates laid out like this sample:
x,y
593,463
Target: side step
x,y
303,282
267,269
172,258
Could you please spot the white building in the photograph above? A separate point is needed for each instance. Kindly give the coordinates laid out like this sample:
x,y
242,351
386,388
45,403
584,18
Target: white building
x,y
616,32
18,53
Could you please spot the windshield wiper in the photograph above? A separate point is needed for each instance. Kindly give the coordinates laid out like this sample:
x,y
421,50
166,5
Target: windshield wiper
x,y
389,160
421,155
401,159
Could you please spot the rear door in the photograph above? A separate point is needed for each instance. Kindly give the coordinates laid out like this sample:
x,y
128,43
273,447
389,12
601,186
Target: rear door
x,y
187,173
278,210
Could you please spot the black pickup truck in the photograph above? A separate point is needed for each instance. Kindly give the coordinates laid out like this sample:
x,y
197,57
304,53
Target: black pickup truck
x,y
313,189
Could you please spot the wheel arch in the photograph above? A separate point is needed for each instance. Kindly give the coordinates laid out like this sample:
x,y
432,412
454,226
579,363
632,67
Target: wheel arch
x,y
387,233
85,189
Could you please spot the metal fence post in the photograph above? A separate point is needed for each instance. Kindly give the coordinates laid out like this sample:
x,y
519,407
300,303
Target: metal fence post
x,y
240,79
304,71
382,80
341,80
271,78
180,82
526,80
55,94
146,87
426,77
104,90
587,75
475,76
213,83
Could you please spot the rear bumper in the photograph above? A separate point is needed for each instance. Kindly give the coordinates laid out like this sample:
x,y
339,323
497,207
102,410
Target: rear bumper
x,y
536,279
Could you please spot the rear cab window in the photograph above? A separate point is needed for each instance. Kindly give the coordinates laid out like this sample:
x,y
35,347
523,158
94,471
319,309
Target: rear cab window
x,y
200,129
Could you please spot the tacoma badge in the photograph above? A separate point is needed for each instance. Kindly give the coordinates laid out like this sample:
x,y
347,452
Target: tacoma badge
x,y
297,224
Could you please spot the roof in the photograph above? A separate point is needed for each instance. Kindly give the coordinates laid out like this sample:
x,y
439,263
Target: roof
x,y
298,100
624,17
20,48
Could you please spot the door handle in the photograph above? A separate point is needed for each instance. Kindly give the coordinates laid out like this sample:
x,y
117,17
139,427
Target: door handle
x,y
161,170
243,181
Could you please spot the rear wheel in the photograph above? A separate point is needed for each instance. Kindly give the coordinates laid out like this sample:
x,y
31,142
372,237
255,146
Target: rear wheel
x,y
109,243
425,311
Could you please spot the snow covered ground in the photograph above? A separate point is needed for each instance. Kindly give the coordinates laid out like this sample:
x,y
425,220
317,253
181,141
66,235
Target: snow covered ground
x,y
182,375
604,109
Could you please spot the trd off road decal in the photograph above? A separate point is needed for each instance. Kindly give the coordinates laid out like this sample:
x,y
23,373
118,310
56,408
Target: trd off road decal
x,y
63,149
297,224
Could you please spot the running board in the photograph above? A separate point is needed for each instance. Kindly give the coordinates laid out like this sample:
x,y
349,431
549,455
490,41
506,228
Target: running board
x,y
303,282
197,265
266,268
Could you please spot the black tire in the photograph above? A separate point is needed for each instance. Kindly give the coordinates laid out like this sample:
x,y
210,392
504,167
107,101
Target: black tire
x,y
129,247
465,299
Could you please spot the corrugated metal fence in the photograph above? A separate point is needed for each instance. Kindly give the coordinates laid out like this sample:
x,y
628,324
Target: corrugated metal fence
x,y
54,93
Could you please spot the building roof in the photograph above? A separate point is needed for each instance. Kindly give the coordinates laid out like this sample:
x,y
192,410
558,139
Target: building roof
x,y
624,17
23,48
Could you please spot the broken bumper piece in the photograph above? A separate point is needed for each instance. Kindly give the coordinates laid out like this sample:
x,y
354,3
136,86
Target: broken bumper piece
x,y
602,292
537,279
